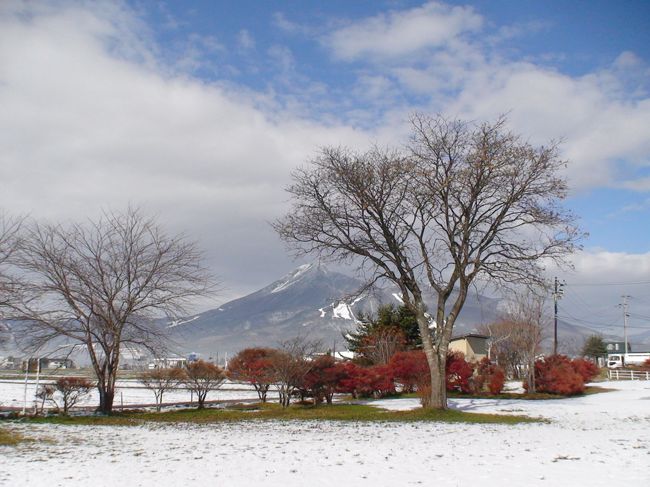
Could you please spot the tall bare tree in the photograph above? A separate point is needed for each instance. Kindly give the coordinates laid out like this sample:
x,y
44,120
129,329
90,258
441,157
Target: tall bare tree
x,y
290,365
101,285
518,335
466,202
527,325
9,285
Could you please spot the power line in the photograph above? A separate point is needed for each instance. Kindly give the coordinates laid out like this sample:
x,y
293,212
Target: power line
x,y
630,283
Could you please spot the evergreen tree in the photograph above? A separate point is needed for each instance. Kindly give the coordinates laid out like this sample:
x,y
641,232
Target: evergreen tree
x,y
389,318
594,347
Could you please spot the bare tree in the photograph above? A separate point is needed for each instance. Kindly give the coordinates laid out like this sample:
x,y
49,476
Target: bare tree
x,y
72,390
202,377
160,381
527,325
465,203
380,345
502,347
101,285
10,289
290,365
518,336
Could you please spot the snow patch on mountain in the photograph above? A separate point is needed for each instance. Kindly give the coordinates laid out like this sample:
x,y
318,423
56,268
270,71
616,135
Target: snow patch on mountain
x,y
292,278
175,323
343,310
398,297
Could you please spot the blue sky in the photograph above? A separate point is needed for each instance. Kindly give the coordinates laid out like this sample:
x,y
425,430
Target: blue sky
x,y
198,110
255,38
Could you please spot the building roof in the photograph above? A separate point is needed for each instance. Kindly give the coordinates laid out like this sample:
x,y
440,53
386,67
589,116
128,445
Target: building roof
x,y
469,335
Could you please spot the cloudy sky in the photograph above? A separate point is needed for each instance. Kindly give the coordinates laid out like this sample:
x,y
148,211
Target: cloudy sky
x,y
198,110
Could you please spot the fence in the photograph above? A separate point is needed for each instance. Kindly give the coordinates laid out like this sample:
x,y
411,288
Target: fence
x,y
626,374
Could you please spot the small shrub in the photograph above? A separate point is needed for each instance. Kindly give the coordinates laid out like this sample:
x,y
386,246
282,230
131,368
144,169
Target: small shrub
x,y
323,378
459,373
556,374
253,365
586,369
71,391
409,369
202,377
488,377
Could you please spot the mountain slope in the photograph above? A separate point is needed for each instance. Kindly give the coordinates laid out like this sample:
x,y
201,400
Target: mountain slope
x,y
310,301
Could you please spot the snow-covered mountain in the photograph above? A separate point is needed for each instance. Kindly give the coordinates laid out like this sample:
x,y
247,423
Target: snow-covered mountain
x,y
310,301
315,302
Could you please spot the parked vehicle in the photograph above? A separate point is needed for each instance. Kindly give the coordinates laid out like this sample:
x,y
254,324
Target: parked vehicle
x,y
618,360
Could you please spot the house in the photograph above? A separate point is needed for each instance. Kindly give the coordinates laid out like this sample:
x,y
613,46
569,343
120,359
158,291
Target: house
x,y
472,345
168,363
47,363
617,347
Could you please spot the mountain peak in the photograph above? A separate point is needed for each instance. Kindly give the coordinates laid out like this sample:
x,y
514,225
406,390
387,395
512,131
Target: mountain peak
x,y
299,274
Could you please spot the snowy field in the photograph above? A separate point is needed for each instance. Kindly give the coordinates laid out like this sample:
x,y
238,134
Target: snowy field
x,y
127,392
597,440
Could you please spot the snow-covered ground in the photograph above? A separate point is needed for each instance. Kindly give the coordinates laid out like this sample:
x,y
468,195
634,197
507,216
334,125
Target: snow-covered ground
x,y
597,440
128,392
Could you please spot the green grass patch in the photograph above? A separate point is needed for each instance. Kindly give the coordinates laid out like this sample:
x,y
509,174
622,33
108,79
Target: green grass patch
x,y
11,438
261,412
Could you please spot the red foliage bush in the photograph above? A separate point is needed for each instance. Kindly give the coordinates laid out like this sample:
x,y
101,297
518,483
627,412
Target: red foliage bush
x,y
556,374
497,381
360,381
646,365
253,365
586,368
489,376
409,369
324,378
459,373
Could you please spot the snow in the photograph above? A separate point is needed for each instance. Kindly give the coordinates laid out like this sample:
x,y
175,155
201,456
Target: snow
x,y
180,322
292,278
322,312
342,310
596,440
398,297
128,392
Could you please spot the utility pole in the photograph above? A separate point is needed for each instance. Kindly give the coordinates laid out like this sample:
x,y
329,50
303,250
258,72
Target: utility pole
x,y
625,315
557,294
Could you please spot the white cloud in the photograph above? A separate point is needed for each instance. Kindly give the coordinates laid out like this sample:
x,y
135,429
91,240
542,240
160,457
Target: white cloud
x,y
640,184
598,127
399,33
84,127
245,40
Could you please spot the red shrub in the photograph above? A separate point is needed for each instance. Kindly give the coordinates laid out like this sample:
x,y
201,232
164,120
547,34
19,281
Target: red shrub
x,y
324,378
409,369
497,381
253,365
555,374
586,369
359,381
490,376
646,365
459,373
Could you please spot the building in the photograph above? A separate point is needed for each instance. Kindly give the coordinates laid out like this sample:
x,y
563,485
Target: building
x,y
47,363
617,347
472,345
168,363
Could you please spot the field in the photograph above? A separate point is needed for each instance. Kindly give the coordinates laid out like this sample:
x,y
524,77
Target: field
x,y
600,439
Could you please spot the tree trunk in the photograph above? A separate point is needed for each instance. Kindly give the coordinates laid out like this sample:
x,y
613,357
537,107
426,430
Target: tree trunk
x,y
437,397
105,401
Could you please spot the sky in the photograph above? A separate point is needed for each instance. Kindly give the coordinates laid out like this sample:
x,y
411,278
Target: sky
x,y
197,111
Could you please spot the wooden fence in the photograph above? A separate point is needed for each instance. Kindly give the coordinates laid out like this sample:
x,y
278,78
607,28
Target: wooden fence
x,y
627,374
